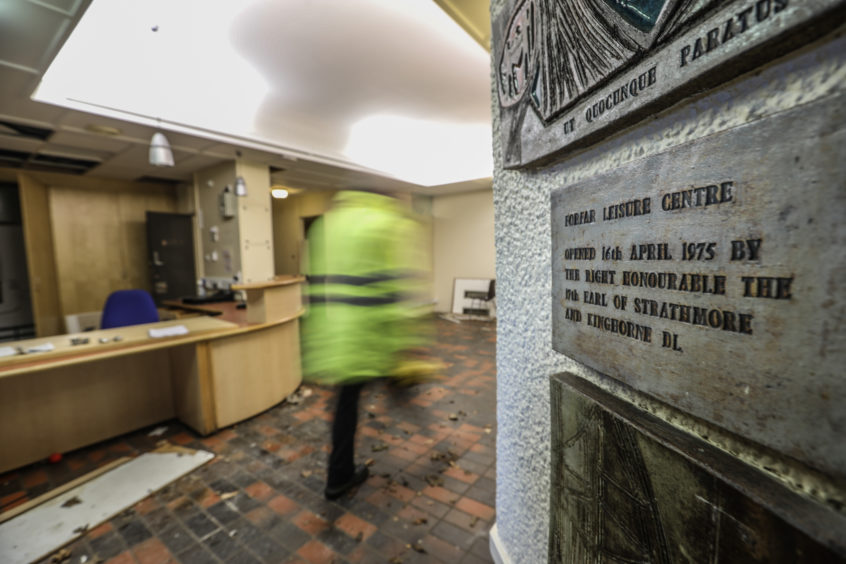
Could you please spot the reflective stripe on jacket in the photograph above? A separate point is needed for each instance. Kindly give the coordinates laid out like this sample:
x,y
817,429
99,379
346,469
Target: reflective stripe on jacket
x,y
358,285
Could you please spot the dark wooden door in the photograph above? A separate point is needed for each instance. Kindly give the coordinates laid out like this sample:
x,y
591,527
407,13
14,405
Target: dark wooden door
x,y
170,244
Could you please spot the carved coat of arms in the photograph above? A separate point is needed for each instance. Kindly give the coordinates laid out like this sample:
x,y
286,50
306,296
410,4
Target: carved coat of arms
x,y
553,56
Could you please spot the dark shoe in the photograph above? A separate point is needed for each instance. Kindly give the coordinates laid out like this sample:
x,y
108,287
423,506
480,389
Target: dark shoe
x,y
361,474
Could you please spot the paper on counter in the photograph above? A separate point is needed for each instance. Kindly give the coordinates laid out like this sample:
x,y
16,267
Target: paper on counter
x,y
46,347
168,331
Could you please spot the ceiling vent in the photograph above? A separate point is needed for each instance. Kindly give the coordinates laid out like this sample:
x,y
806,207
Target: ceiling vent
x,y
21,130
158,180
14,159
45,162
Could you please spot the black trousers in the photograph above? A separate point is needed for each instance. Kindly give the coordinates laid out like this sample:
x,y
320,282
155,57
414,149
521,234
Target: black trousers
x,y
341,459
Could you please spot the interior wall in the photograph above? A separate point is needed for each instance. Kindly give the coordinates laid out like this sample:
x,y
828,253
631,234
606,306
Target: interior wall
x,y
40,256
187,201
421,210
16,321
221,256
289,243
288,238
462,242
100,240
255,223
85,237
525,358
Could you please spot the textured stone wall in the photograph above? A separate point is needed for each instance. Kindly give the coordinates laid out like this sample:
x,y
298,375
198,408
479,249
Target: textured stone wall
x,y
525,358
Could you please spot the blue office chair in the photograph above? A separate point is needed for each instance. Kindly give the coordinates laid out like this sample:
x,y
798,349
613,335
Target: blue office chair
x,y
128,307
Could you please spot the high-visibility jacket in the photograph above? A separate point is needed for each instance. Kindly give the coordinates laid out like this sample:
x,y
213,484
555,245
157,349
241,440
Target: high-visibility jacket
x,y
360,276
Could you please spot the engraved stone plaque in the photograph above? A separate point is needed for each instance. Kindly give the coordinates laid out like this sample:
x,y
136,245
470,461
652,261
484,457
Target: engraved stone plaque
x,y
627,487
713,277
570,72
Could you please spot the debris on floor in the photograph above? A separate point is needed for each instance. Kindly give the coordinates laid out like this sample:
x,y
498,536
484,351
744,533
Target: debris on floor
x,y
71,502
431,487
54,523
299,395
157,432
60,556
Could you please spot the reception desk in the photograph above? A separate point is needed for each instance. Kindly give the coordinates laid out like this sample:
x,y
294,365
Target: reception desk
x,y
215,374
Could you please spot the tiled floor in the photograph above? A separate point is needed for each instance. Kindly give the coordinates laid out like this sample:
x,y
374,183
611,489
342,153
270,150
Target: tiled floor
x,y
430,497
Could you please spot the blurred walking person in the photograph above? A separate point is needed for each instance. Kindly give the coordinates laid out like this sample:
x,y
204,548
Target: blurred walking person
x,y
361,276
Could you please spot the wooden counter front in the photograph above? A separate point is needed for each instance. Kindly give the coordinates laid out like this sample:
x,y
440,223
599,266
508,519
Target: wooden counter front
x,y
75,395
272,299
226,380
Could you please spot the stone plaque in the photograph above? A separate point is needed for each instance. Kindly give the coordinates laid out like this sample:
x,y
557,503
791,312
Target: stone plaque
x,y
627,487
713,277
569,72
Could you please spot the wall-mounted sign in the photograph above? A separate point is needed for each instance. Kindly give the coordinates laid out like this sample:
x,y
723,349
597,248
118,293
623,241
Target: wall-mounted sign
x,y
572,71
711,276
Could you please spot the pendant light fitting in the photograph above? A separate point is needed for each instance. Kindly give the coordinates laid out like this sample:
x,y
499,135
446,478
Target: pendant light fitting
x,y
160,151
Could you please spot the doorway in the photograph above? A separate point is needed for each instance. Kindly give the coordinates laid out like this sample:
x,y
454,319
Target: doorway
x,y
16,319
170,243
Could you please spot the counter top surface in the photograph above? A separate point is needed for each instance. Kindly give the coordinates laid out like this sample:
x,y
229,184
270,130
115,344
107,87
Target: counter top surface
x,y
283,280
227,311
130,339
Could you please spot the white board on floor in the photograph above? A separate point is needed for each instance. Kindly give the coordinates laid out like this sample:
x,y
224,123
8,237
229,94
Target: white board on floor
x,y
49,526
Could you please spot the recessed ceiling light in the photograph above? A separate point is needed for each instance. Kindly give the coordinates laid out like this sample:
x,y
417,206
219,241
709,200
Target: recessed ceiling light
x,y
103,129
462,151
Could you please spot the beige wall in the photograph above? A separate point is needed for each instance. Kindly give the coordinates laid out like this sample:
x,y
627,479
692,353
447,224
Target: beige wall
x,y
462,241
85,237
243,251
40,261
460,236
288,237
255,223
100,239
221,259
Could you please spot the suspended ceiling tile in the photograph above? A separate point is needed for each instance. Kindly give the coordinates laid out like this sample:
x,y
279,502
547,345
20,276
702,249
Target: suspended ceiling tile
x,y
138,155
80,120
29,33
222,150
90,141
231,151
25,144
133,163
24,110
116,172
185,141
192,163
110,170
68,7
16,83
15,88
76,152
